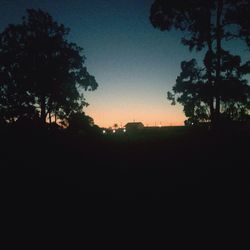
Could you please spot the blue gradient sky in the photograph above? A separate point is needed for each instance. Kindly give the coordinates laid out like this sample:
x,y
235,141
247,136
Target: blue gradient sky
x,y
134,64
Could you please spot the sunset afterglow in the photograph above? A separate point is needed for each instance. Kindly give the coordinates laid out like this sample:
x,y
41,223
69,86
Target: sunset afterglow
x,y
134,64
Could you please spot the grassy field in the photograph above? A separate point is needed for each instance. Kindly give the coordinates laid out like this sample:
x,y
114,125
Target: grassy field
x,y
148,164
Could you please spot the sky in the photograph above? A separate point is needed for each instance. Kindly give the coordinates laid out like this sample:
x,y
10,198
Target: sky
x,y
134,64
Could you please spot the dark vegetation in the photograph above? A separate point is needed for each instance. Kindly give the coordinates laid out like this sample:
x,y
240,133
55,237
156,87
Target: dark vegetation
x,y
42,74
216,91
49,145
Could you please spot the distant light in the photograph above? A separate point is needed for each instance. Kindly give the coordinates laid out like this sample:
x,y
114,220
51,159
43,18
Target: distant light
x,y
114,131
124,130
104,131
192,123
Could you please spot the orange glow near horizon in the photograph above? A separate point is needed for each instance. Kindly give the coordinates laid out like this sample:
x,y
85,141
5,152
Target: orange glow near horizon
x,y
149,115
119,101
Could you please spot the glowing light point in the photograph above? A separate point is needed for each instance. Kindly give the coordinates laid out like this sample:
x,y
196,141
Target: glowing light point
x,y
124,130
113,131
104,131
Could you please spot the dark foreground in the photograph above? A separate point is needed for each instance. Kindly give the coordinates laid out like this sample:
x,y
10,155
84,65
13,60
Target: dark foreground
x,y
139,166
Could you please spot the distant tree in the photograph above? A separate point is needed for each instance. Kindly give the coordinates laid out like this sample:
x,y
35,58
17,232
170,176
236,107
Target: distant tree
x,y
41,72
116,126
80,122
206,25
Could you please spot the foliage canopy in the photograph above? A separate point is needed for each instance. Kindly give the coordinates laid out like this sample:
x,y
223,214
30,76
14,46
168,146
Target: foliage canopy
x,y
42,74
218,88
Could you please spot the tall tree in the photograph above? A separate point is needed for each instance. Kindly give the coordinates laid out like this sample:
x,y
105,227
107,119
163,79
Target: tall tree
x,y
206,24
191,89
40,64
15,100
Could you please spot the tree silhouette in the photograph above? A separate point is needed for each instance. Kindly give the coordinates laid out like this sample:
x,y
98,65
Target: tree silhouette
x,y
192,91
41,72
78,121
207,24
239,14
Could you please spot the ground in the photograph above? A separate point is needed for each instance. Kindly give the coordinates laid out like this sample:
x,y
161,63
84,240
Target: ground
x,y
139,166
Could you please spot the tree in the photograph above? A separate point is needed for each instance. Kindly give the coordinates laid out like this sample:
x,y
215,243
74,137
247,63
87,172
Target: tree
x,y
15,99
78,121
206,24
191,89
41,72
238,14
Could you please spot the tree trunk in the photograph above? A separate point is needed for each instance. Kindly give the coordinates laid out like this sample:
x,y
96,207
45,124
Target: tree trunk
x,y
43,110
209,66
218,56
49,108
50,118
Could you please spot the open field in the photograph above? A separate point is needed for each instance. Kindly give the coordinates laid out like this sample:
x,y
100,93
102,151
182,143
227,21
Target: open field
x,y
141,165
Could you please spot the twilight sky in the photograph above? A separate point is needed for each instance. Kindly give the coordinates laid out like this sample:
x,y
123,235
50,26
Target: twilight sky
x,y
134,64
